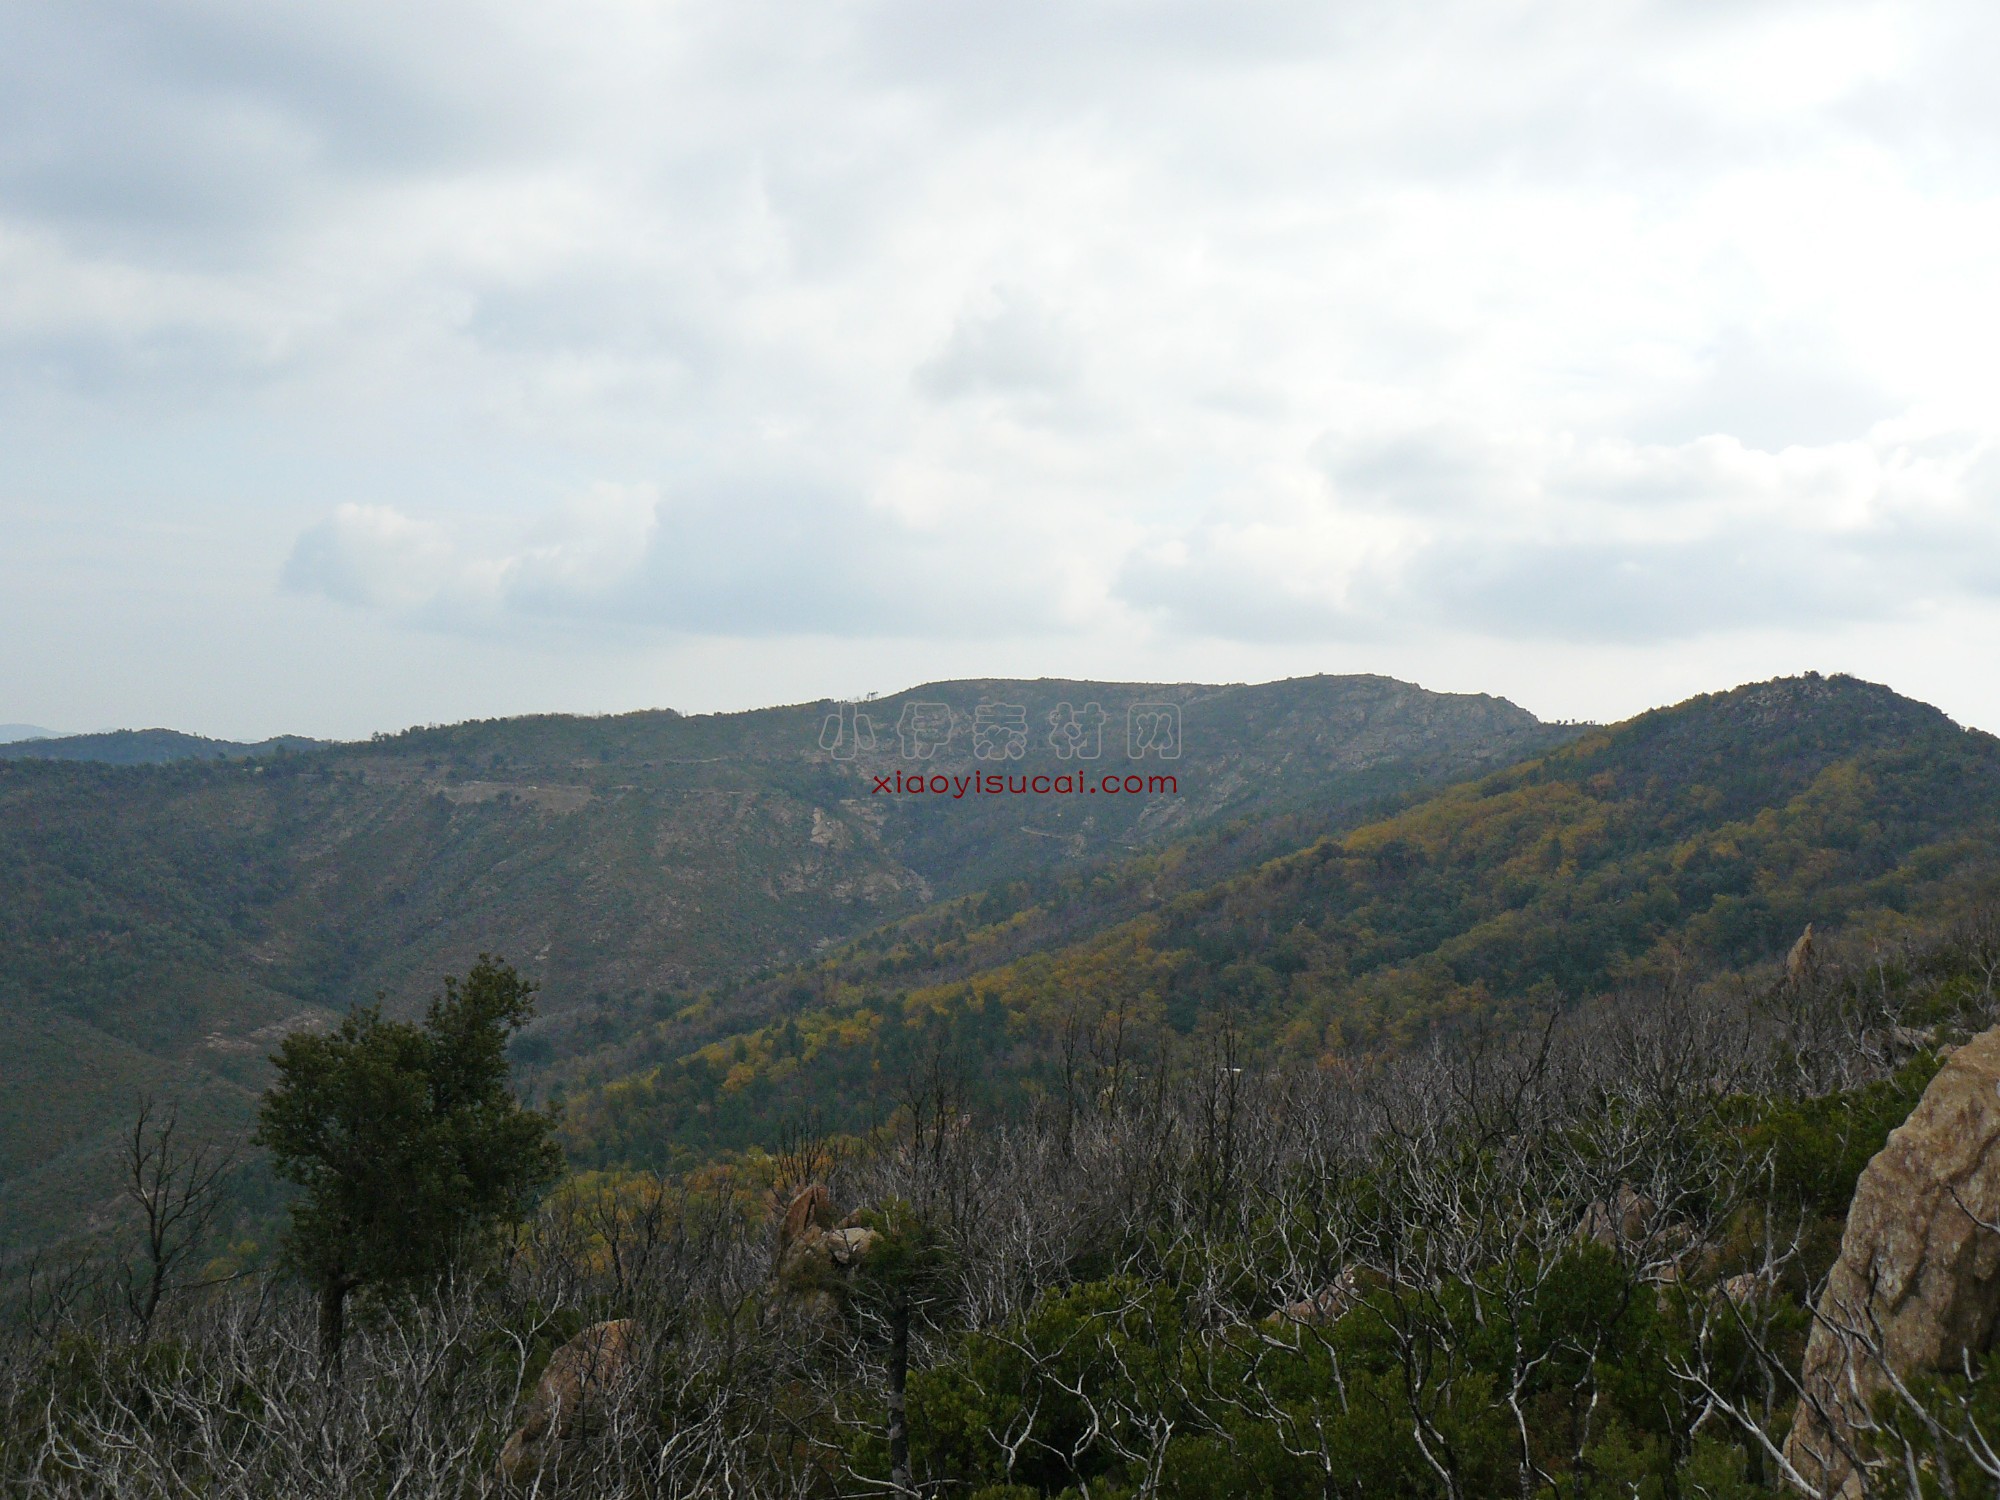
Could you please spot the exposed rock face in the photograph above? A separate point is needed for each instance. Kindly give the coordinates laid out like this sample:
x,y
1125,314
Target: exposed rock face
x,y
808,1236
821,1248
1917,1284
1802,960
570,1393
810,1212
813,1247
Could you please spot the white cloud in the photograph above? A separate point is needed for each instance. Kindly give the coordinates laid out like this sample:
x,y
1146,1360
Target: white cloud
x,y
374,555
1016,348
595,545
760,559
1593,541
1261,323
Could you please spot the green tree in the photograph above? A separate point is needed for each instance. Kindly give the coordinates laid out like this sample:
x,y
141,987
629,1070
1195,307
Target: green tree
x,y
410,1147
902,1278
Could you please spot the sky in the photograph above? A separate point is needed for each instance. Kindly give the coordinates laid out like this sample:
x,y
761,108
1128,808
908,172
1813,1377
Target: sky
x,y
365,365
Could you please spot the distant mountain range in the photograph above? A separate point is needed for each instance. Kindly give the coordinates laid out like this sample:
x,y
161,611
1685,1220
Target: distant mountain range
x,y
163,923
738,918
135,747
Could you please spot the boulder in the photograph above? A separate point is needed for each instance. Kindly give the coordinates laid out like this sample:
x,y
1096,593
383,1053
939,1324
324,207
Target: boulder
x,y
817,1249
807,1219
1622,1221
570,1394
811,1257
1324,1306
845,1247
810,1209
1917,1284
1743,1288
812,1237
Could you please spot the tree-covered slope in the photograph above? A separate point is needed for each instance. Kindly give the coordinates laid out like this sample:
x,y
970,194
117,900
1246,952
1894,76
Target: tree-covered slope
x,y
1700,836
194,912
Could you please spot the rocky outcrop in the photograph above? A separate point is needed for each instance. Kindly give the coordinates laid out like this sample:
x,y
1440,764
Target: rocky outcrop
x,y
811,1209
1803,961
569,1398
1744,1288
1618,1222
846,1247
811,1237
1917,1284
1327,1305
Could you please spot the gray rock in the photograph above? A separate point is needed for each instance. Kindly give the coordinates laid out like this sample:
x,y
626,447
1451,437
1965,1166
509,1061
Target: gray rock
x,y
570,1393
1917,1284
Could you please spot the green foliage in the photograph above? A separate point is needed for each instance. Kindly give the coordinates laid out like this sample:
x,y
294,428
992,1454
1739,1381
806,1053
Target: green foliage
x,y
407,1143
909,1261
1812,1151
1105,1338
1514,1354
1094,1372
1973,1399
1717,1470
1478,1333
1818,1146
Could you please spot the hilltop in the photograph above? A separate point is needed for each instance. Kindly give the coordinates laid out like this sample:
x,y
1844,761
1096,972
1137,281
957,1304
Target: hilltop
x,y
1698,838
138,747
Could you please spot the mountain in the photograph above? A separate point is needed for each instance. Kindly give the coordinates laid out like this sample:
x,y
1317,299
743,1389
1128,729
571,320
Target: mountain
x,y
163,924
1699,838
141,747
10,733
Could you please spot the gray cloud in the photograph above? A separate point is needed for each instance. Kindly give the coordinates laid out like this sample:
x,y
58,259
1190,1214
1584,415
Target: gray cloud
x,y
1655,544
1434,469
1259,323
1773,392
373,556
1528,590
1017,347
1633,592
177,130
1228,598
752,559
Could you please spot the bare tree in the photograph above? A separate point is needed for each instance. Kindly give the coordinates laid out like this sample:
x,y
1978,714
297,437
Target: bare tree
x,y
177,1184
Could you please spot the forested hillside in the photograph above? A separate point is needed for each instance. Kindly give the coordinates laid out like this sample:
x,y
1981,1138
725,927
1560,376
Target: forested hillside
x,y
144,747
1575,1261
1502,1140
163,926
1702,837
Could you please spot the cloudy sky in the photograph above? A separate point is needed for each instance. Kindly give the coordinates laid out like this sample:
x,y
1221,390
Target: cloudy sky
x,y
369,364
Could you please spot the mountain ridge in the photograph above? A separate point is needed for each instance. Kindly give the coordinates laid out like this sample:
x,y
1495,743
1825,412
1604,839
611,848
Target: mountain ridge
x,y
186,909
1706,834
146,747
